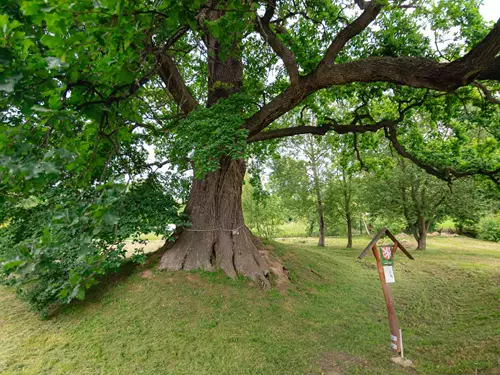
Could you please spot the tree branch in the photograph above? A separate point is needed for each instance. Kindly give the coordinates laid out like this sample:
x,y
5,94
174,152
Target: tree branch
x,y
286,55
444,174
487,93
492,72
417,72
478,59
320,130
126,92
371,12
174,83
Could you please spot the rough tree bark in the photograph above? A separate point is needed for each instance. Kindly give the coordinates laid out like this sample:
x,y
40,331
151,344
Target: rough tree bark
x,y
423,229
218,237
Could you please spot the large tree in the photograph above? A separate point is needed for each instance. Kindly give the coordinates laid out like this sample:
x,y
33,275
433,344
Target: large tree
x,y
86,86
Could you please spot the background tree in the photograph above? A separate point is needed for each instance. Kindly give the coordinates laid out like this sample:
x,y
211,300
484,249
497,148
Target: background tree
x,y
344,183
408,192
263,211
466,205
289,180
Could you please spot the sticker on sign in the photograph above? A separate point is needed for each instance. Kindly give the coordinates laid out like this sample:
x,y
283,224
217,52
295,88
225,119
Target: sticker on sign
x,y
389,274
386,255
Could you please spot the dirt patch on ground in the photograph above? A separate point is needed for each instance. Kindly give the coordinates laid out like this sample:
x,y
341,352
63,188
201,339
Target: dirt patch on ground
x,y
280,272
337,363
146,274
448,234
193,278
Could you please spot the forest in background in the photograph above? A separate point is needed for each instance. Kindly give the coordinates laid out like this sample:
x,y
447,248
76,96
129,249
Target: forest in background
x,y
321,186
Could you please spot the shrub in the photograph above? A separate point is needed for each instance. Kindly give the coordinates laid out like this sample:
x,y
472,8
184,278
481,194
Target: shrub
x,y
489,227
55,247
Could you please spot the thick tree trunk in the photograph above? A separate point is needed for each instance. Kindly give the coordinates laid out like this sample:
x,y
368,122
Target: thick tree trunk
x,y
218,237
349,231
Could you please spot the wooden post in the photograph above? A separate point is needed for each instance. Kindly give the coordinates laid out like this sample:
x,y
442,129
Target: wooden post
x,y
391,311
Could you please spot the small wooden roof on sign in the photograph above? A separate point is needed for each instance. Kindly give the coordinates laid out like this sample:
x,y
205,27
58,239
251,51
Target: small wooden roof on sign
x,y
381,233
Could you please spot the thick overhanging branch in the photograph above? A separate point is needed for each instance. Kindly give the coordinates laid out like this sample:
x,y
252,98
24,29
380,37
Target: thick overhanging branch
x,y
492,72
353,127
320,130
469,67
479,63
371,12
286,55
168,70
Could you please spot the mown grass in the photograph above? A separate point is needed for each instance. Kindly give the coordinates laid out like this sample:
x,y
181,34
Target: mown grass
x,y
331,320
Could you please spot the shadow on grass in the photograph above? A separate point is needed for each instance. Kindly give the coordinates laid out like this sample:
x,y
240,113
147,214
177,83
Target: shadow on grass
x,y
108,282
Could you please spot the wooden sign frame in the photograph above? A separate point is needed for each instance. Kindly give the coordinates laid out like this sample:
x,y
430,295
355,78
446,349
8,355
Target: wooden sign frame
x,y
396,336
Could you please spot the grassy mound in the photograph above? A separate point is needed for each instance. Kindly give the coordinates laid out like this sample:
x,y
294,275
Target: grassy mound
x,y
330,320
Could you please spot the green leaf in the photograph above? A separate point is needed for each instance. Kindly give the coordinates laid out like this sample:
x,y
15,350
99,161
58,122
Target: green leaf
x,y
30,8
10,265
52,41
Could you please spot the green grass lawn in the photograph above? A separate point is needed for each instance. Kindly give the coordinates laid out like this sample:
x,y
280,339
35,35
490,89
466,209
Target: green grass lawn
x,y
331,320
292,229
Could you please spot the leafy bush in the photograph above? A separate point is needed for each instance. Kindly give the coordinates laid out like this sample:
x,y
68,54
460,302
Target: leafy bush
x,y
55,247
489,227
394,224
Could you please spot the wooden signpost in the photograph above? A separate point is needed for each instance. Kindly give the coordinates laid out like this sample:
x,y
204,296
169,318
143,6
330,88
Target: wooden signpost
x,y
384,256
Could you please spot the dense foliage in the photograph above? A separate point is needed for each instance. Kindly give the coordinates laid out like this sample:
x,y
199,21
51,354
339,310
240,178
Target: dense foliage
x,y
56,246
489,227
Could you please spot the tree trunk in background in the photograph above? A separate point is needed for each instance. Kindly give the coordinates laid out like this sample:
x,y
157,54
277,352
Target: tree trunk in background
x,y
366,226
321,241
218,237
422,228
422,242
349,230
319,200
